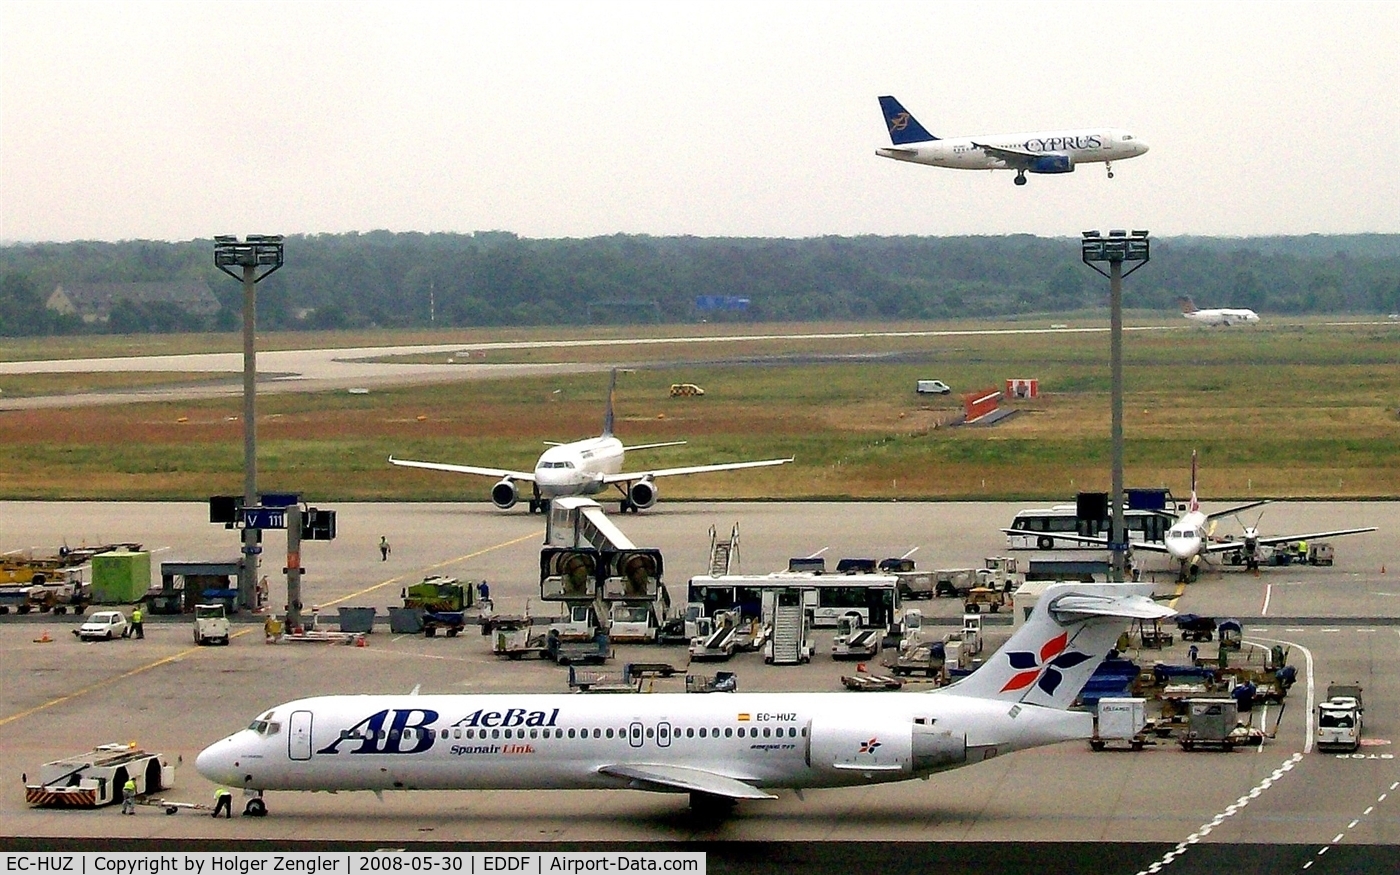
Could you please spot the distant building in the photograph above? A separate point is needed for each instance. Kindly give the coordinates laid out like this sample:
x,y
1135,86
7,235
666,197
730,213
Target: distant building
x,y
93,301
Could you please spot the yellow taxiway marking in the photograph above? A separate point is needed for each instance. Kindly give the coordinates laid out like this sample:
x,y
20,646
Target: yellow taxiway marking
x,y
1176,596
141,669
443,564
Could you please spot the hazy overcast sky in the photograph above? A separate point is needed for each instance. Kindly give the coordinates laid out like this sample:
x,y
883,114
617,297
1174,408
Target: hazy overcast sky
x,y
177,120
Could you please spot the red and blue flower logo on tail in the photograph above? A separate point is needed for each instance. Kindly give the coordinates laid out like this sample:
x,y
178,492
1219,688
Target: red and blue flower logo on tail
x,y
869,746
1046,666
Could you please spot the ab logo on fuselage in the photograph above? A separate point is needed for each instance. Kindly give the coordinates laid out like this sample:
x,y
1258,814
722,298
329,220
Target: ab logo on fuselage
x,y
411,730
383,732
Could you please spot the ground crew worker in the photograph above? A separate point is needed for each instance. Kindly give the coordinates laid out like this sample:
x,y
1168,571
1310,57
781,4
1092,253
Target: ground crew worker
x,y
129,796
223,801
383,549
483,594
137,628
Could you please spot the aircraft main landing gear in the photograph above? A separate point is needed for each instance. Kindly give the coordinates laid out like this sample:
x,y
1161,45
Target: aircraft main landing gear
x,y
1020,177
1108,165
705,806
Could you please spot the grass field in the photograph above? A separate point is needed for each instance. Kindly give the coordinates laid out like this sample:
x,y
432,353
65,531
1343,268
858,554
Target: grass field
x,y
1285,410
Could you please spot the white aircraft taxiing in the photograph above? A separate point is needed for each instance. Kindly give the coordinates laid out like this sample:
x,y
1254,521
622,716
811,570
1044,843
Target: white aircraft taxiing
x,y
585,467
1189,540
719,748
1217,315
1034,152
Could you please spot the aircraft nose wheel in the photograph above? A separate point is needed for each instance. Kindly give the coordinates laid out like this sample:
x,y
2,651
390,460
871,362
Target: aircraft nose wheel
x,y
1108,165
256,807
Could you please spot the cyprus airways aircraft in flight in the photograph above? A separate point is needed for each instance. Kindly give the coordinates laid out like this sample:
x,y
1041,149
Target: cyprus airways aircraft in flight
x,y
1189,540
1034,152
1216,316
585,467
719,748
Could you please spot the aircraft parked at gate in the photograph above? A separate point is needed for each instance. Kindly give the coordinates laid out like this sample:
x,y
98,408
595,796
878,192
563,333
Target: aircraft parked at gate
x,y
718,748
1034,152
1189,540
585,467
1216,316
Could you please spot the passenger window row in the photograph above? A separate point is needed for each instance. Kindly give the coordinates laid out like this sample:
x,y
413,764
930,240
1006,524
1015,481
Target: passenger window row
x,y
689,732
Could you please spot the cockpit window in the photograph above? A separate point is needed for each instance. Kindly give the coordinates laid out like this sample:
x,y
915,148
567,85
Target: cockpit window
x,y
1127,137
264,727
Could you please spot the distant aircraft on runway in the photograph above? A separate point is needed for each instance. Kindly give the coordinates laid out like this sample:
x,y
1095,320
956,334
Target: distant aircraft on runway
x,y
585,467
719,749
1215,316
1034,152
1190,538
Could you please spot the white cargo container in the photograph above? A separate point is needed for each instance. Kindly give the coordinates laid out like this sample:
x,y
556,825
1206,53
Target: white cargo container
x,y
1120,720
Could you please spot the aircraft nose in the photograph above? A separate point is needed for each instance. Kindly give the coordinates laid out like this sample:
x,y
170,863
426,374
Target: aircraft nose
x,y
1141,147
216,763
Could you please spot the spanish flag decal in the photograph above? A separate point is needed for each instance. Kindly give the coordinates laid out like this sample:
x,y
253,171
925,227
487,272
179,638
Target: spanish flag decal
x,y
743,717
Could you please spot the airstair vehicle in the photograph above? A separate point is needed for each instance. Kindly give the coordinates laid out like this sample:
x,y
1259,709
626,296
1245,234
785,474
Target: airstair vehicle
x,y
788,642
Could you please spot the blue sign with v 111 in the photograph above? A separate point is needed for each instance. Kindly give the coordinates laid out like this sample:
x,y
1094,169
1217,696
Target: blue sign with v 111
x,y
264,517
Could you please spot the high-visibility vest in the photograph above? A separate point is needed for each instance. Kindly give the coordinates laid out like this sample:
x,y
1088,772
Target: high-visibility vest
x,y
221,792
136,616
129,786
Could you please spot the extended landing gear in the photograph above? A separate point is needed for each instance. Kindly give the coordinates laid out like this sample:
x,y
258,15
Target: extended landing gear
x,y
539,505
255,807
1021,177
1108,165
709,807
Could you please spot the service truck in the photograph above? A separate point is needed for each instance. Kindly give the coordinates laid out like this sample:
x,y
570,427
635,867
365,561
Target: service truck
x,y
210,625
1339,719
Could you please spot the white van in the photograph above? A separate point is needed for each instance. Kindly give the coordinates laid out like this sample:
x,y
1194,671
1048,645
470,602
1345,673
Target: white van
x,y
932,387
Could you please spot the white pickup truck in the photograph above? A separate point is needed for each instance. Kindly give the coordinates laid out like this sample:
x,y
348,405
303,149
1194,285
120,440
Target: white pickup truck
x,y
1339,719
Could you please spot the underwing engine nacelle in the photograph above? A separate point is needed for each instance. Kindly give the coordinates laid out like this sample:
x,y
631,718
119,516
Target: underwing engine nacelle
x,y
642,494
1054,162
504,494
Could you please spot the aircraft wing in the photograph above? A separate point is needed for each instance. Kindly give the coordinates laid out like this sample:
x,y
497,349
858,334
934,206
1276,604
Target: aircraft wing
x,y
1093,540
1312,536
1234,510
1012,157
628,477
527,476
654,446
650,776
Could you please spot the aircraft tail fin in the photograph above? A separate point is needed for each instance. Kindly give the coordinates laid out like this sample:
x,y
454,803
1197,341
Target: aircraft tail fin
x,y
1195,502
1069,633
903,127
608,411
1187,305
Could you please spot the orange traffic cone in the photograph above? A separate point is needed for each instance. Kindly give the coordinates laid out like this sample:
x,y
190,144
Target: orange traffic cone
x,y
44,638
360,642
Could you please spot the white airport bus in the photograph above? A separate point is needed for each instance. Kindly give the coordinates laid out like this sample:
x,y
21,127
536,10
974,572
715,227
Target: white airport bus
x,y
828,597
1036,529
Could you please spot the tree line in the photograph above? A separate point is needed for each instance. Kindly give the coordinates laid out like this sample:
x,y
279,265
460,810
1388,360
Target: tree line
x,y
416,280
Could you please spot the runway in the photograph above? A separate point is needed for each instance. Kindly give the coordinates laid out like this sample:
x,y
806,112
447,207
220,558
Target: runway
x,y
320,370
168,695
